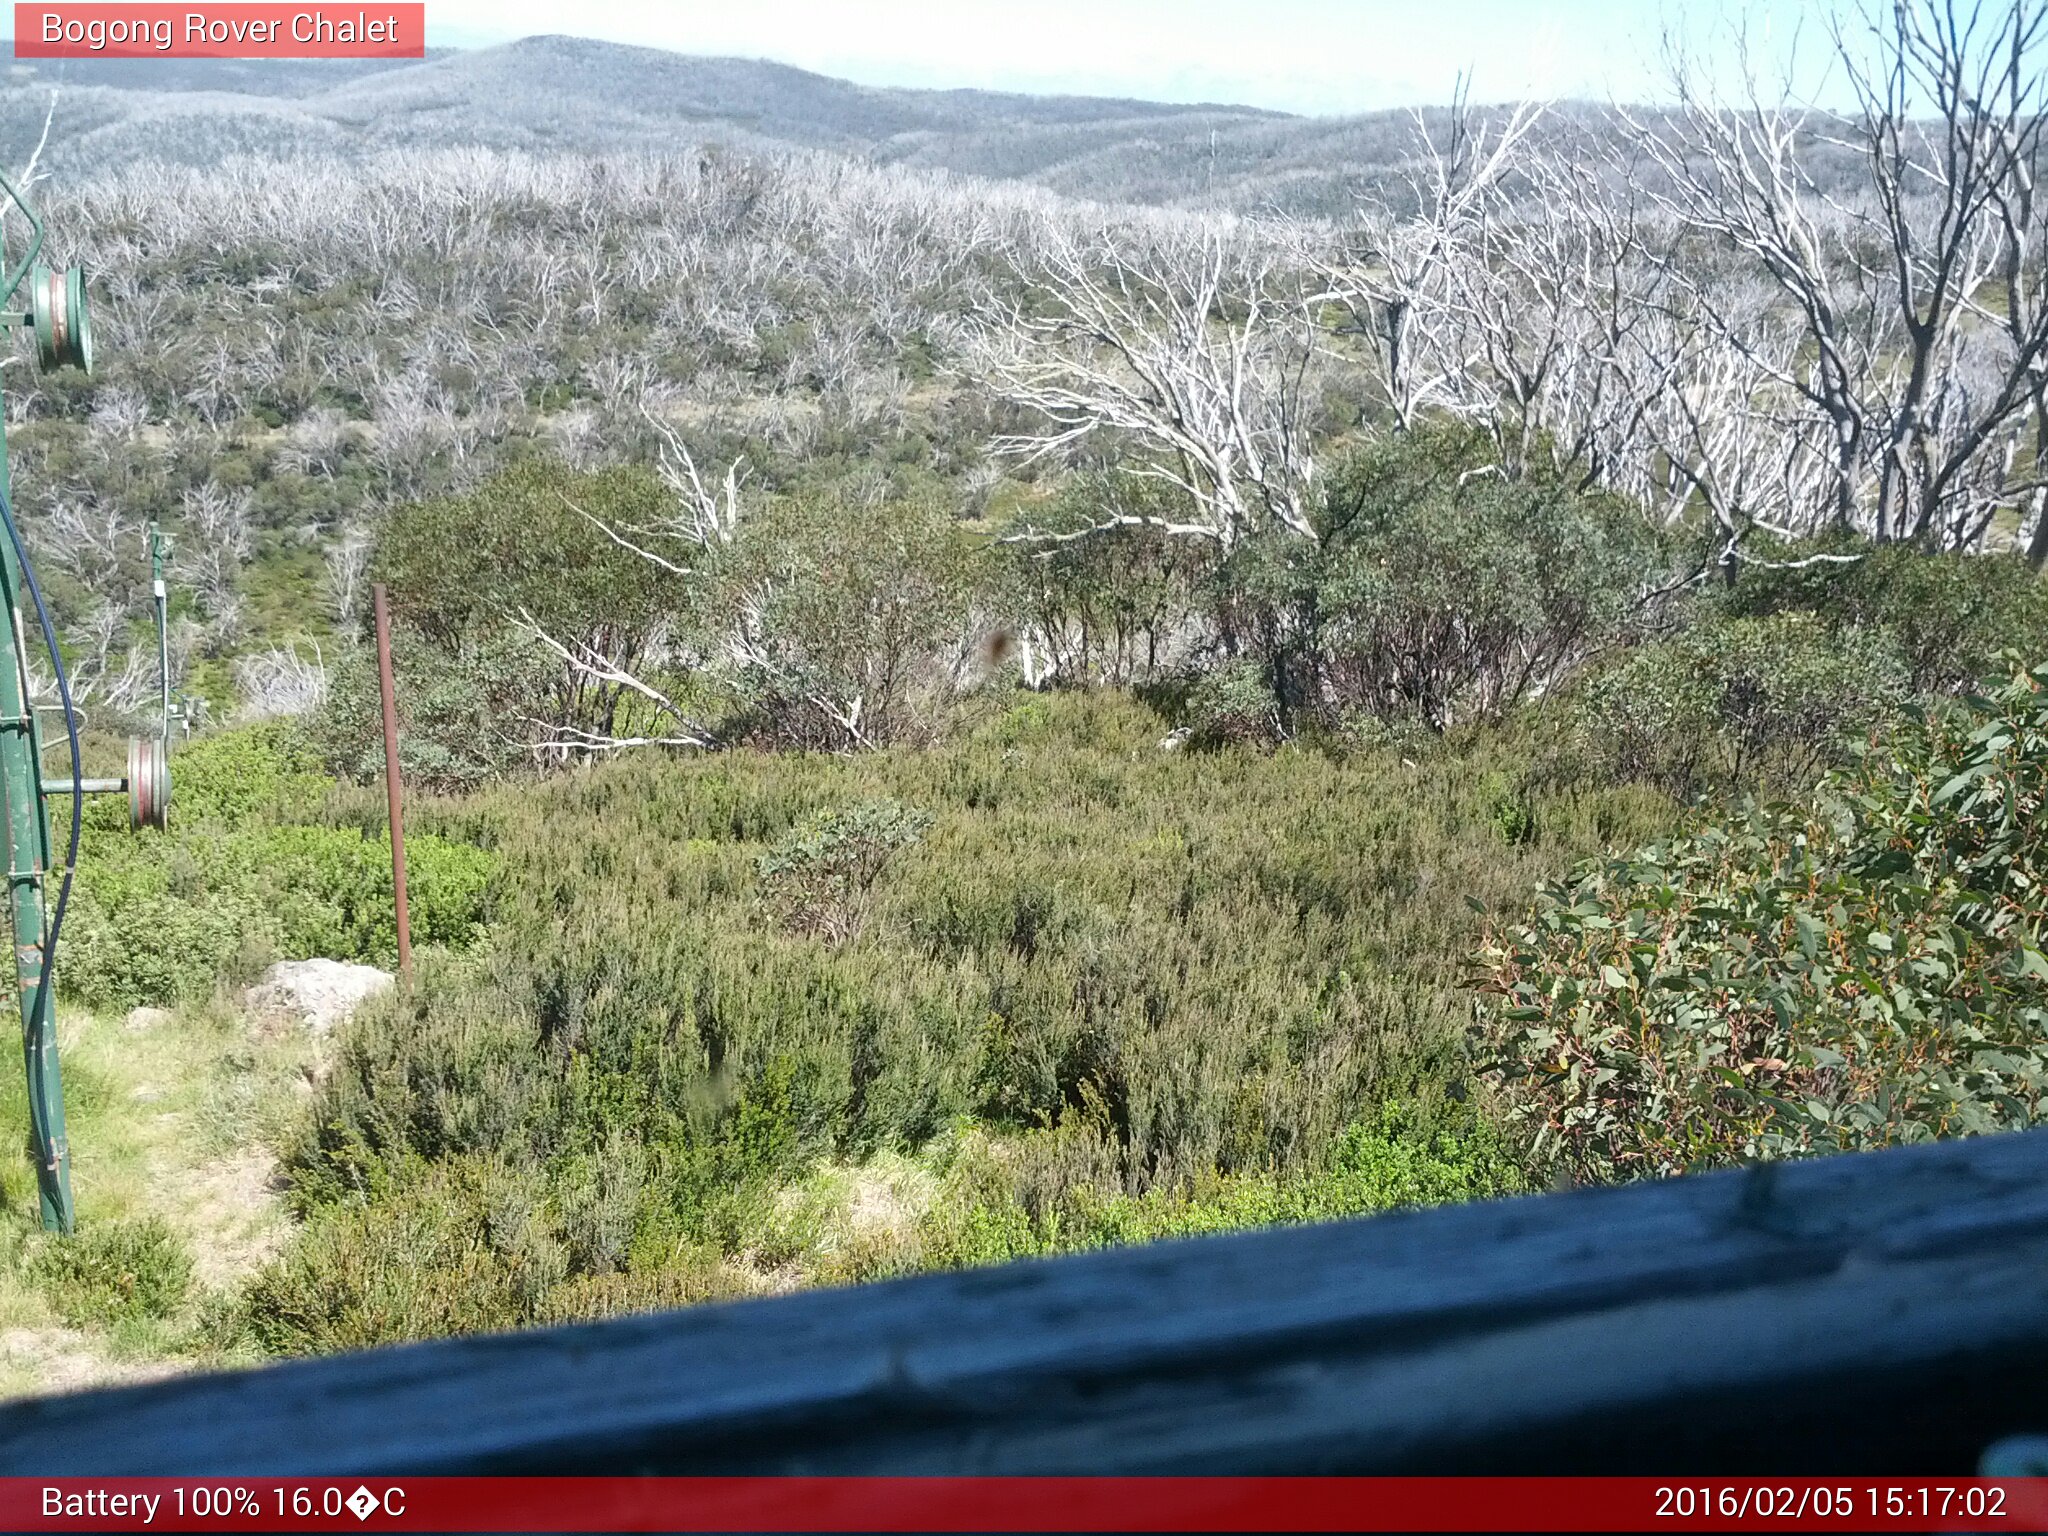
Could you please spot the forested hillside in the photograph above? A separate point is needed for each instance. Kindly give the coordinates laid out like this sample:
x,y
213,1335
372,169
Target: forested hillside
x,y
977,681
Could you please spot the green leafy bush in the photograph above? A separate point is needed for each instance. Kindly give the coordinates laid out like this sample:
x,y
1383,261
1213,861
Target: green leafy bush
x,y
853,618
1948,616
463,1248
469,577
1151,970
232,778
996,1204
242,878
116,1271
1235,704
330,891
818,877
1121,604
524,540
465,709
1745,702
162,921
433,1076
1438,588
159,948
1862,970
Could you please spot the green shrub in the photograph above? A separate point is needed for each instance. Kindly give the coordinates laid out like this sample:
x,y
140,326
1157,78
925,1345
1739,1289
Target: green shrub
x,y
444,1072
997,1203
818,877
1513,812
1361,730
162,948
1118,605
1437,588
1948,616
329,889
464,710
115,1271
164,920
854,618
234,777
464,1247
459,567
1861,970
587,1298
468,575
240,879
1738,704
1404,1159
1235,704
1147,971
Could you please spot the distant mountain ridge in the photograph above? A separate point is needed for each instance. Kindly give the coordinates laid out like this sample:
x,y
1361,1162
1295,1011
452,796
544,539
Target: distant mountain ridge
x,y
566,93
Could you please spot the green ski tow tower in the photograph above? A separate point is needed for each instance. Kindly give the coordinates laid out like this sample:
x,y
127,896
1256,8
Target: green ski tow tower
x,y
55,314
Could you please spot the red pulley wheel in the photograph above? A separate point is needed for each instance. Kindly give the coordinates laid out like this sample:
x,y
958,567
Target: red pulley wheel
x,y
149,784
60,318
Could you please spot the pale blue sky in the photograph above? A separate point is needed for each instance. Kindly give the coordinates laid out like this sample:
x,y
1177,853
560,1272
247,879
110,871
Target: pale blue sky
x,y
1320,56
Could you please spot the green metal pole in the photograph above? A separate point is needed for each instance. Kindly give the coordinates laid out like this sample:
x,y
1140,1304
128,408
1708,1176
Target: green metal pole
x,y
28,873
58,317
163,633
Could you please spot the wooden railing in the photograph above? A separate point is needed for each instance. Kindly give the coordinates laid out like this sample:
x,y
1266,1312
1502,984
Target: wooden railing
x,y
1884,1313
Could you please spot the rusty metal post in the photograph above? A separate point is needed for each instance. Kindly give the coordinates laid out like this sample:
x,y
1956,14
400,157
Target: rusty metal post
x,y
393,784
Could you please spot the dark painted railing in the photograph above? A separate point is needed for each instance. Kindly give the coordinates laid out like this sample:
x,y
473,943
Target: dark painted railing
x,y
1884,1313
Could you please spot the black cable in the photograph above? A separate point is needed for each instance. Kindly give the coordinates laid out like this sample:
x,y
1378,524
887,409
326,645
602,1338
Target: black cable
x,y
28,575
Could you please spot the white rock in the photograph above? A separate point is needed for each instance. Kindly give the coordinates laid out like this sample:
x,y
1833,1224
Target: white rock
x,y
318,994
140,1019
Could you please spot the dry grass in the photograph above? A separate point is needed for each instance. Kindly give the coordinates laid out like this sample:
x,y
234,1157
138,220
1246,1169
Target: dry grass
x,y
176,1121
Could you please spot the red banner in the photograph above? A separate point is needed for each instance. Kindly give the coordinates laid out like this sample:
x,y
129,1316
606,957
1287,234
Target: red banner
x,y
115,31
521,1504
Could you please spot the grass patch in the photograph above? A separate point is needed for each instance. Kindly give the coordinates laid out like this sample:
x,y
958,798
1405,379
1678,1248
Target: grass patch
x,y
172,1129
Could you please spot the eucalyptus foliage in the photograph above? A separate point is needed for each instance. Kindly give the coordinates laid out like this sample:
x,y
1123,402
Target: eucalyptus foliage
x,y
1855,971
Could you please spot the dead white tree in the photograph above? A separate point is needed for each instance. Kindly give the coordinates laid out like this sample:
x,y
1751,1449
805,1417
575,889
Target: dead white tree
x,y
281,681
317,443
119,412
1742,176
108,669
90,540
1721,434
1921,373
29,172
672,725
1945,194
26,177
705,517
1399,274
347,562
1197,355
218,543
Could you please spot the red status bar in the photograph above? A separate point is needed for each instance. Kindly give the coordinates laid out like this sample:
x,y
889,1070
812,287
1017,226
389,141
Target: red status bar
x,y
213,30
520,1504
